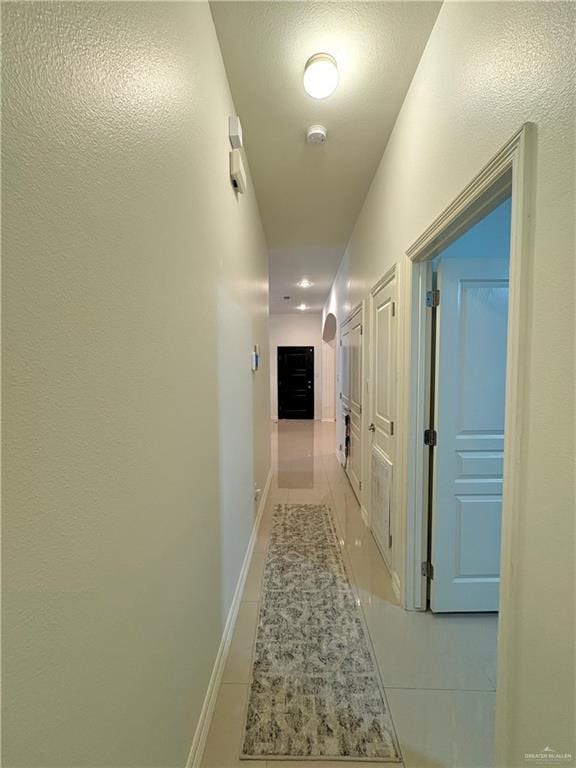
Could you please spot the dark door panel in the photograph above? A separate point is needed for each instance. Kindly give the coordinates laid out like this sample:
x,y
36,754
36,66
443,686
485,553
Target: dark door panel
x,y
295,382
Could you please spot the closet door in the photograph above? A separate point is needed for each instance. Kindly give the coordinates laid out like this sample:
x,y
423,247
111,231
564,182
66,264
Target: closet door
x,y
383,414
468,459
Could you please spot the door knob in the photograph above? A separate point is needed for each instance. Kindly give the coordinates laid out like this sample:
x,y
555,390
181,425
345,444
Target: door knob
x,y
372,428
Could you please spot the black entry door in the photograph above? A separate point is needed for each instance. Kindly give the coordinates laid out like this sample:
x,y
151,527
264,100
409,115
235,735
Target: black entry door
x,y
295,382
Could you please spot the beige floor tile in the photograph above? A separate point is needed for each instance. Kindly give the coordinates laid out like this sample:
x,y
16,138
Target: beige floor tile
x,y
424,650
297,475
253,585
444,729
239,663
277,496
264,531
321,494
326,764
369,572
267,515
439,671
227,730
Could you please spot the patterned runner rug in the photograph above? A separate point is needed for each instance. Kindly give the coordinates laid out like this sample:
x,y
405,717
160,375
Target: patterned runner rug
x,y
315,690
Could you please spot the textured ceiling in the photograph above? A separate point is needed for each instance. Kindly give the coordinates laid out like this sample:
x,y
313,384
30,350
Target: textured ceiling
x,y
309,196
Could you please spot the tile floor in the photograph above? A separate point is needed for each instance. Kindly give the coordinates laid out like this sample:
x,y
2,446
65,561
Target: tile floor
x,y
439,672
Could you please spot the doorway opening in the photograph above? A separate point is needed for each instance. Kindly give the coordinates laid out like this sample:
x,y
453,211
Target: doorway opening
x,y
469,302
295,382
468,306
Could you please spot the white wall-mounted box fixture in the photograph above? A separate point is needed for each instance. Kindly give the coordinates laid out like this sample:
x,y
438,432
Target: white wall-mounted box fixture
x,y
237,172
235,131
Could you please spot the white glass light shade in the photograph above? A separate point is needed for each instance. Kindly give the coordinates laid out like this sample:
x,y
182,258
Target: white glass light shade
x,y
320,75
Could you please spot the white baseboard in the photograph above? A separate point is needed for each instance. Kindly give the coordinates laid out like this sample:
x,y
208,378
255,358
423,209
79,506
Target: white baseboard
x,y
199,741
396,586
329,420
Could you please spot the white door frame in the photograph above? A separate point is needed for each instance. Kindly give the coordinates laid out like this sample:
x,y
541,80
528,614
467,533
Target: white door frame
x,y
510,170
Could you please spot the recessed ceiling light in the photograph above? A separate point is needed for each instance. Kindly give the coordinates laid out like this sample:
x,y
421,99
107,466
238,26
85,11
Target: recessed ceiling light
x,y
302,307
320,75
305,283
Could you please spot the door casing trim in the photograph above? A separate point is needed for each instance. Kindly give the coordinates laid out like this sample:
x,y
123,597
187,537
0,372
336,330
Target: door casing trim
x,y
509,171
384,280
353,312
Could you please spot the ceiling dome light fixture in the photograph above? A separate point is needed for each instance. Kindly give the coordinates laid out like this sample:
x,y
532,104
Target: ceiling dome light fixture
x,y
321,75
305,283
301,307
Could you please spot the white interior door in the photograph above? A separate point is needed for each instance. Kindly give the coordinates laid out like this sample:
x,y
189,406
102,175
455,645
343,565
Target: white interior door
x,y
352,396
383,410
468,461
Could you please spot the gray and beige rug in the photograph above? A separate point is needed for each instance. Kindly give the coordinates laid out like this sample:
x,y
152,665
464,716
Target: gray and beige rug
x,y
315,690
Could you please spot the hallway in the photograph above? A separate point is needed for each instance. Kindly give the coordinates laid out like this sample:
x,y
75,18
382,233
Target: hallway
x,y
439,672
221,213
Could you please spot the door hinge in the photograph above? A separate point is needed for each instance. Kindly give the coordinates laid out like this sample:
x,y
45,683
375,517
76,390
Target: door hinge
x,y
360,409
391,429
430,437
340,395
427,570
432,298
393,309
390,541
361,330
360,485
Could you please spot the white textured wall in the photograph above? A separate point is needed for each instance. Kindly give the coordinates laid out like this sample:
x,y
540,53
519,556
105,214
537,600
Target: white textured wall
x,y
303,330
328,381
488,68
135,284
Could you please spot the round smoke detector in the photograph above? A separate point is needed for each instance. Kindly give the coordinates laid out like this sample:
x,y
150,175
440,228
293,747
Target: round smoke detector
x,y
316,134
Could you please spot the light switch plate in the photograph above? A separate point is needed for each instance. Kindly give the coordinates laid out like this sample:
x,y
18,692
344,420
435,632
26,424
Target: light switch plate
x,y
235,131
